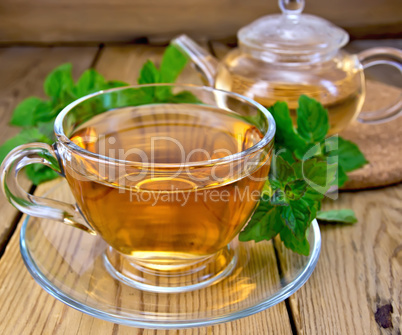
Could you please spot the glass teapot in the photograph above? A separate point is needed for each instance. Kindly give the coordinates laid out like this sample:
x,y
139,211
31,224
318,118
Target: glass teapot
x,y
282,56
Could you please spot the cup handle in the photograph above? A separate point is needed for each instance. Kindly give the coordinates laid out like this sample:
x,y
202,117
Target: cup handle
x,y
30,204
377,56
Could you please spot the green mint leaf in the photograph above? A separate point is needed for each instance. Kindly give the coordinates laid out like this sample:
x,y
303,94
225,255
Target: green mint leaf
x,y
23,114
275,184
280,112
350,156
184,97
133,97
127,97
267,191
286,154
114,84
45,112
59,82
173,62
163,94
46,129
339,215
89,82
39,173
296,216
281,170
312,120
309,151
286,135
10,144
341,177
27,135
92,81
265,224
257,120
312,199
149,74
295,189
317,173
302,247
279,198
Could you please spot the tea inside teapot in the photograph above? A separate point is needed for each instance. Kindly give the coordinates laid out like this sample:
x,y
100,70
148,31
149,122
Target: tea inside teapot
x,y
337,84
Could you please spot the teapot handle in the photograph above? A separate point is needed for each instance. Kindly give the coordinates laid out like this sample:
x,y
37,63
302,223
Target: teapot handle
x,y
377,56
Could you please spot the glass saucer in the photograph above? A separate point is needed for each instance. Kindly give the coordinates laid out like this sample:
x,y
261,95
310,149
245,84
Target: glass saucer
x,y
69,264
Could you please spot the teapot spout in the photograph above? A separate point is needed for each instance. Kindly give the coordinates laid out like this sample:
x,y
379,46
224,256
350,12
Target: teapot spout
x,y
205,63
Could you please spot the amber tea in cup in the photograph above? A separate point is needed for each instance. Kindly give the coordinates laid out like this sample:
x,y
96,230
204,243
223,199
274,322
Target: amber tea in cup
x,y
166,184
161,216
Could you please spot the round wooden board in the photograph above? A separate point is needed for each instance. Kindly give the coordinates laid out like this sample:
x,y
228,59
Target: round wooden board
x,y
380,143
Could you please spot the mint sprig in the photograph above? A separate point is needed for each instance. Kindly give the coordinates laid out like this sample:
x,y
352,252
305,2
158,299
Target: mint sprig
x,y
309,139
292,202
304,167
36,116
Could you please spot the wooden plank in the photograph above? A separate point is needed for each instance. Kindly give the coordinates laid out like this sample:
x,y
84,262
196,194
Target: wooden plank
x,y
125,20
357,285
38,312
23,70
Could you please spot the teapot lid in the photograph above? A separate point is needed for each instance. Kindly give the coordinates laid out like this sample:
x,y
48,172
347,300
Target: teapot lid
x,y
292,35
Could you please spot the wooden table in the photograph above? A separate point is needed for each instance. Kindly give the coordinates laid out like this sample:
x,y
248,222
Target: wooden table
x,y
355,289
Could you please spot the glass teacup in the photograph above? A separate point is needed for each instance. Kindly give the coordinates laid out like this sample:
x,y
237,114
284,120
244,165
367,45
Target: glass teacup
x,y
166,175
